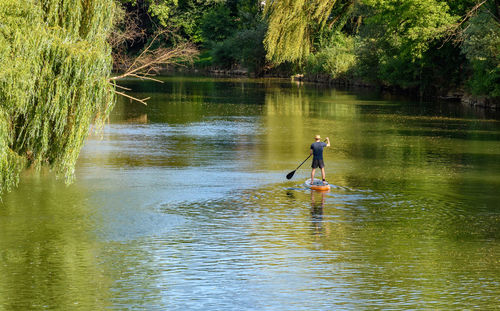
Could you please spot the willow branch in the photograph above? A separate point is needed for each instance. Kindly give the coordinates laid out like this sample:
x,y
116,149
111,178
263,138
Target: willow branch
x,y
145,77
121,87
142,101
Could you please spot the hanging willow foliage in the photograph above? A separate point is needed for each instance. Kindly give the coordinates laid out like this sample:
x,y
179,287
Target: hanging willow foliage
x,y
55,66
292,24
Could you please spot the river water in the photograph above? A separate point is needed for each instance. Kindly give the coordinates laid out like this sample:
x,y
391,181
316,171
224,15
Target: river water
x,y
183,205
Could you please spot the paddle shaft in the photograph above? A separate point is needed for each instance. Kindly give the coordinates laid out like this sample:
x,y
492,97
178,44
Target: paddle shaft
x,y
304,161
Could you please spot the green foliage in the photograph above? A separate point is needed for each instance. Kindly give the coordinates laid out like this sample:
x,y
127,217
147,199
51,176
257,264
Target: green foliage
x,y
460,7
481,46
407,26
217,24
234,34
244,47
162,10
54,70
396,36
249,13
183,16
222,54
11,163
336,60
249,48
292,25
204,59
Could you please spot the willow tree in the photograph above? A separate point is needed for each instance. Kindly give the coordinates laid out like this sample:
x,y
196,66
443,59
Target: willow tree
x,y
54,81
293,23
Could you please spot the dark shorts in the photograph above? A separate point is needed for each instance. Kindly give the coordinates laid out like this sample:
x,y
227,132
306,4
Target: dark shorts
x,y
318,163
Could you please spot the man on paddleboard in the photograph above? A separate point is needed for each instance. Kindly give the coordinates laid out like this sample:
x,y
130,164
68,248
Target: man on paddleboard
x,y
317,152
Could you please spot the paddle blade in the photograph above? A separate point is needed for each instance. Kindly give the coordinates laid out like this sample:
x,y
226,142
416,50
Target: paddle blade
x,y
290,175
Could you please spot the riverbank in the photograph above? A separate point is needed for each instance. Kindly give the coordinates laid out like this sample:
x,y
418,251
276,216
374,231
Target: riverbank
x,y
455,96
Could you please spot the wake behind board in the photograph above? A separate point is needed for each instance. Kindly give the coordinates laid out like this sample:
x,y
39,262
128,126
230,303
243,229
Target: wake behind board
x,y
317,185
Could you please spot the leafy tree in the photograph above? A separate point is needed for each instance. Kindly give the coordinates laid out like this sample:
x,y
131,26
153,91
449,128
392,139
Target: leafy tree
x,y
396,36
245,47
293,23
234,34
217,24
481,45
337,60
54,70
183,16
249,48
408,26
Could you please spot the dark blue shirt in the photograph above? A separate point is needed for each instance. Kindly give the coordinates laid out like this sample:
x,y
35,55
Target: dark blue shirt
x,y
317,149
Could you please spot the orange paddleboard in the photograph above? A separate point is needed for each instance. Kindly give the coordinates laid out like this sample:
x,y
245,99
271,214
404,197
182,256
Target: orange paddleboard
x,y
317,185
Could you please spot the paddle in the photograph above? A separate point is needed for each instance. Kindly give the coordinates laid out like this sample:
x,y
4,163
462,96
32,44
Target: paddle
x,y
290,175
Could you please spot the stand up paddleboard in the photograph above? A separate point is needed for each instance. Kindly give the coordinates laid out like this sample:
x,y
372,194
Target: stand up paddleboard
x,y
317,185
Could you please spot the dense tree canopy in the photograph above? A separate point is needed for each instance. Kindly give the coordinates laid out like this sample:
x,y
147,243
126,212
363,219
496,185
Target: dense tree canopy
x,y
396,37
409,44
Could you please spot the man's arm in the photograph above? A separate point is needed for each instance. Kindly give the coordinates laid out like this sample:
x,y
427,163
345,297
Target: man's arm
x,y
328,142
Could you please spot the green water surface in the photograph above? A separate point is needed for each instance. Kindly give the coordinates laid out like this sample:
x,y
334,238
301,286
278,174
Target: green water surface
x,y
183,205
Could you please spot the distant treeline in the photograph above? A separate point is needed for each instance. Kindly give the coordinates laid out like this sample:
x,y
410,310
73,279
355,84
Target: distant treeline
x,y
427,46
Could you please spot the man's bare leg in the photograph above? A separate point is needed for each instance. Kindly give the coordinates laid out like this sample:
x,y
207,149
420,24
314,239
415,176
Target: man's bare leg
x,y
312,175
323,175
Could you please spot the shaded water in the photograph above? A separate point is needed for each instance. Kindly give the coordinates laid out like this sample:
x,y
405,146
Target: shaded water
x,y
184,205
